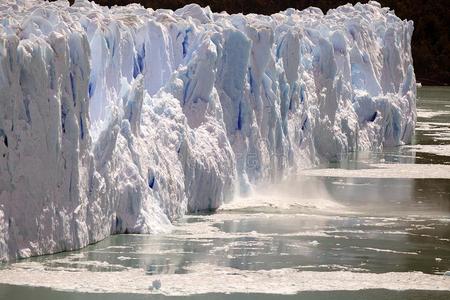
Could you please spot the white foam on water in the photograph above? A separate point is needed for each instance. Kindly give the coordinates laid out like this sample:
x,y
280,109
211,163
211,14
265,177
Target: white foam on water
x,y
215,279
125,258
428,113
400,171
292,192
431,126
350,183
438,131
119,247
391,251
333,267
310,233
435,123
439,136
72,263
443,150
281,203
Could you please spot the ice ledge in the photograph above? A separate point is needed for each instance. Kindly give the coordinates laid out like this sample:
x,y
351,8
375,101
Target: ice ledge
x,y
120,120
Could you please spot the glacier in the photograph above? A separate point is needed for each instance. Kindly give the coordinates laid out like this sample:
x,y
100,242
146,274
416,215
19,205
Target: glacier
x,y
122,119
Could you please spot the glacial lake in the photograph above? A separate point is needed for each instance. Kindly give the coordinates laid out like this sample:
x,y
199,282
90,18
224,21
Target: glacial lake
x,y
350,229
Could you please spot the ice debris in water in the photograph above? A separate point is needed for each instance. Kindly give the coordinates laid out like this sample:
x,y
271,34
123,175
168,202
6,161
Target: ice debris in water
x,y
156,285
122,119
314,243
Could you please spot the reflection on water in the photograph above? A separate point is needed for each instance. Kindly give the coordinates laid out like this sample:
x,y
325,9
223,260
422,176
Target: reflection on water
x,y
318,223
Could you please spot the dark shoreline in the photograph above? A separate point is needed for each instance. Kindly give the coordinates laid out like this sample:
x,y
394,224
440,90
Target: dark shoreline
x,y
431,82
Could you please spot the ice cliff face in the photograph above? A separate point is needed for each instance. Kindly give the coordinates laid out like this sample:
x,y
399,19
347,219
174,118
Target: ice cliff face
x,y
123,119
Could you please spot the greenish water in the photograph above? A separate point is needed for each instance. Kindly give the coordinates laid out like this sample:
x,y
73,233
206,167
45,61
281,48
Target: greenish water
x,y
370,225
15,292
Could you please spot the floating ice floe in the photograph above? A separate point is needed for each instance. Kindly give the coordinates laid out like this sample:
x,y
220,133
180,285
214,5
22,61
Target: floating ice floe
x,y
442,150
428,113
221,279
435,171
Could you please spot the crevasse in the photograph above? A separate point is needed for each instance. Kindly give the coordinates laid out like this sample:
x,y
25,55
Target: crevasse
x,y
122,119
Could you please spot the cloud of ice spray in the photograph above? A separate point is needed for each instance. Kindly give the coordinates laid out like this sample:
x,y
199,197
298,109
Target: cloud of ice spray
x,y
293,192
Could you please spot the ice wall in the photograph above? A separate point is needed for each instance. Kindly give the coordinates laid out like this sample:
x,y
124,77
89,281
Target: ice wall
x,y
123,119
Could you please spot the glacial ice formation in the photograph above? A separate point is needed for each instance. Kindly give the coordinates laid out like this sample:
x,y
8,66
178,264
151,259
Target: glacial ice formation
x,y
122,119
